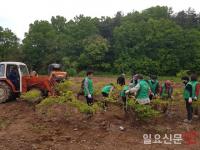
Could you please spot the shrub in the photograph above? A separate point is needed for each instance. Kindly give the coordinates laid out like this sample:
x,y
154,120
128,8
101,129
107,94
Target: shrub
x,y
83,107
69,99
64,87
32,95
52,100
160,104
145,112
115,93
131,103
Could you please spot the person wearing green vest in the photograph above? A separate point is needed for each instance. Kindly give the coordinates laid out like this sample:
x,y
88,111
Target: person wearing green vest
x,y
154,86
88,88
123,96
191,92
166,90
106,92
142,90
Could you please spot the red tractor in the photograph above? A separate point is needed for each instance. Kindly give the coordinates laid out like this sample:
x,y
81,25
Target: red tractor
x,y
54,70
15,79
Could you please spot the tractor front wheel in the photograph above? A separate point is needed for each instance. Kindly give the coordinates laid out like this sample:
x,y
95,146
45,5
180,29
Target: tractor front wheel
x,y
5,92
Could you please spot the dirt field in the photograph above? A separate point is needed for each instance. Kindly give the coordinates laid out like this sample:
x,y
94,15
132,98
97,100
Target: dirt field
x,y
24,128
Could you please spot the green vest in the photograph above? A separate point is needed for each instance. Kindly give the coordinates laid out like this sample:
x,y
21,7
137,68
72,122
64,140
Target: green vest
x,y
106,89
143,92
186,93
122,92
153,86
165,93
90,87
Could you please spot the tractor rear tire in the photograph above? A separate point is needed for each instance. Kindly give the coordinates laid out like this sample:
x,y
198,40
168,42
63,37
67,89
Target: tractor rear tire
x,y
5,92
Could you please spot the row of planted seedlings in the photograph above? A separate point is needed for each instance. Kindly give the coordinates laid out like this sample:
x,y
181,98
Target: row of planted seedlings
x,y
67,96
142,112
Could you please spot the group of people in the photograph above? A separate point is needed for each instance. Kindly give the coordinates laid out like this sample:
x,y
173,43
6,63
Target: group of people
x,y
145,91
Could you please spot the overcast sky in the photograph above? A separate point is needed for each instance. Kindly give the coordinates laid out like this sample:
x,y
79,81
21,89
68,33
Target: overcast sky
x,y
18,14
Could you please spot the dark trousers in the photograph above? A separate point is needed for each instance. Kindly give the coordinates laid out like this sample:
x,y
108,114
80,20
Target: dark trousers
x,y
124,99
151,96
189,110
81,92
89,100
104,94
16,84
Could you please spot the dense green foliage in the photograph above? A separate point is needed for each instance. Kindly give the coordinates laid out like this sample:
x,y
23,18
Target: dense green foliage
x,y
155,40
9,46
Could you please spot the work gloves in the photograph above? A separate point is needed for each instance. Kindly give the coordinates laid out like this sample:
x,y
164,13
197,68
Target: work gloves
x,y
190,100
127,91
89,96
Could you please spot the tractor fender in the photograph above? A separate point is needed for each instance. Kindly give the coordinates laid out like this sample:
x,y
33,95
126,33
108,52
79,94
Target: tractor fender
x,y
10,84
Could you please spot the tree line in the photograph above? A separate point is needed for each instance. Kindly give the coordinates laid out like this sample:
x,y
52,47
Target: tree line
x,y
153,41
